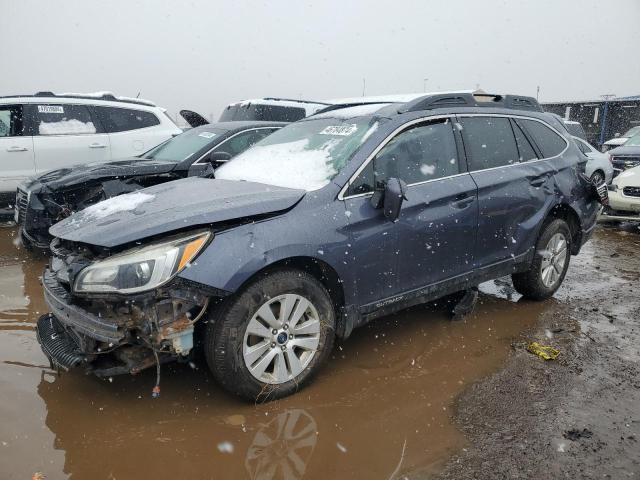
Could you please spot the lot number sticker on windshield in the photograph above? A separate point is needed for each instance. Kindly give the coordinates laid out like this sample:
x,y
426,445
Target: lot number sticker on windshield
x,y
50,109
207,134
340,130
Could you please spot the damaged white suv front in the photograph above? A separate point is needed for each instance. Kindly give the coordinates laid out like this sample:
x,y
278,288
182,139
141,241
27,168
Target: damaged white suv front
x,y
624,197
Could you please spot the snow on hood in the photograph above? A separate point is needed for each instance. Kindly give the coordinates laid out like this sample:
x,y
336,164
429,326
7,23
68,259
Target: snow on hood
x,y
121,203
288,165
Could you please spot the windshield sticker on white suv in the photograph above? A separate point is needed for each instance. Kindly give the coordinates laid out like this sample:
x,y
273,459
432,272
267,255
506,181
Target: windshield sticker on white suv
x,y
339,130
207,134
50,109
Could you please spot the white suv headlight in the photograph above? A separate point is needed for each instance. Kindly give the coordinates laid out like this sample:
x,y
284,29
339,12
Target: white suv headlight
x,y
142,268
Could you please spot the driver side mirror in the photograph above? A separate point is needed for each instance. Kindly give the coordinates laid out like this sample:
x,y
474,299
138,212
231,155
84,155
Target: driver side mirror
x,y
390,197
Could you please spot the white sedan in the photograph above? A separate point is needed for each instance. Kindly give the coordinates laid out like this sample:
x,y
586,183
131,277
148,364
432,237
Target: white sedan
x,y
599,169
624,197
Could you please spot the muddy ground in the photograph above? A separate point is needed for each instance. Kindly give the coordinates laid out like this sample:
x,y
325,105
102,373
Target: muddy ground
x,y
412,395
578,417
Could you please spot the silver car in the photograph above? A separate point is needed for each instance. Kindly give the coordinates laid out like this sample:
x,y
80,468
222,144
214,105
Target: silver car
x,y
599,168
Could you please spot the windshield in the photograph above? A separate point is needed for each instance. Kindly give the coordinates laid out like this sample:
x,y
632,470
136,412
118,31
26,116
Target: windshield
x,y
633,141
304,155
184,145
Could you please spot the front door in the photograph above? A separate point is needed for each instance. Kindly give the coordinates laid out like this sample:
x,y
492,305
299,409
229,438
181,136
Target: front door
x,y
16,152
433,239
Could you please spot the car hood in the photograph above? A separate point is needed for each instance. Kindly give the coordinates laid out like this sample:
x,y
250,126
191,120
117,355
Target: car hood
x,y
628,178
69,177
624,150
616,141
172,206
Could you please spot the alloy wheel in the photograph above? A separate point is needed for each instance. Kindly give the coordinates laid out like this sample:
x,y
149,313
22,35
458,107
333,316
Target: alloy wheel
x,y
281,338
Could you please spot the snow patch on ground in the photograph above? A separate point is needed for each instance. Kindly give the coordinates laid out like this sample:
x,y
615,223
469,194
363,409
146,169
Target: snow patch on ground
x,y
122,203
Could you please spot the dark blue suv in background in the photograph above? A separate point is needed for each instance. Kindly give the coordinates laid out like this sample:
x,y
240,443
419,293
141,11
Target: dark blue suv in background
x,y
334,220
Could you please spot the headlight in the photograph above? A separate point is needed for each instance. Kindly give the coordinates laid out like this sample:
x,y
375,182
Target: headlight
x,y
141,269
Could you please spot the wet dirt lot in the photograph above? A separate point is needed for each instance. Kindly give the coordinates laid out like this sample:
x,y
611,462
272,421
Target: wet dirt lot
x,y
383,407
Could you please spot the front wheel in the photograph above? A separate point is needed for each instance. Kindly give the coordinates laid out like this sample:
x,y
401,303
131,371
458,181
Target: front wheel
x,y
597,177
550,263
269,339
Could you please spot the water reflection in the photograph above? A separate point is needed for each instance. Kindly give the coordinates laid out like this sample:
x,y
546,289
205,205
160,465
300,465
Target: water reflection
x,y
283,447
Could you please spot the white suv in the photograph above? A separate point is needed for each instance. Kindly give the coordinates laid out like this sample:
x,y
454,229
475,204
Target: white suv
x,y
46,131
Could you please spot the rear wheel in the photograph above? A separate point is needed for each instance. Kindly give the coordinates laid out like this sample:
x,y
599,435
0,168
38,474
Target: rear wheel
x,y
550,263
269,339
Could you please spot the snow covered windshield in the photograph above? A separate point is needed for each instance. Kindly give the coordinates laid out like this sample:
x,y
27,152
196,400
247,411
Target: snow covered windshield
x,y
304,155
185,145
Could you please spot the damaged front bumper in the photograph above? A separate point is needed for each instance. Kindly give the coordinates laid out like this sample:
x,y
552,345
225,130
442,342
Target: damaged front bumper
x,y
111,335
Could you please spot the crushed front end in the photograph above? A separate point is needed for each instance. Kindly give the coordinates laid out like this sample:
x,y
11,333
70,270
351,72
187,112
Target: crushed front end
x,y
108,332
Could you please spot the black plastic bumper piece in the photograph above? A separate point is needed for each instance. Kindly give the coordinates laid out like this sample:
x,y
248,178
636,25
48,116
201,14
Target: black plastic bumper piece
x,y
75,317
57,344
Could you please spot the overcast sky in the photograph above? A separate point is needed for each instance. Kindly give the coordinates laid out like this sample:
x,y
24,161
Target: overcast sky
x,y
203,54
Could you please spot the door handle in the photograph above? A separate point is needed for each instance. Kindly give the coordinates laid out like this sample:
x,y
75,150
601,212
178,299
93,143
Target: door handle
x,y
463,201
17,149
97,145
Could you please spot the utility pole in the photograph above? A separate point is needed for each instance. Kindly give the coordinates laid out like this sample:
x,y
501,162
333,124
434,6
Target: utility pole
x,y
424,84
538,92
364,85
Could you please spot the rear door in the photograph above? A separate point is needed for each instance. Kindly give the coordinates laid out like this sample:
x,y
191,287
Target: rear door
x,y
513,188
131,131
66,135
16,151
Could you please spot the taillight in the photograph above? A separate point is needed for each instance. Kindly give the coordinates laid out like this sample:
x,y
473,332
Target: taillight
x,y
610,157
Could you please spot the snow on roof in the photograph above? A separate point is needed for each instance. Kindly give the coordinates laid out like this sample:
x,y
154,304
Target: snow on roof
x,y
309,107
107,93
350,112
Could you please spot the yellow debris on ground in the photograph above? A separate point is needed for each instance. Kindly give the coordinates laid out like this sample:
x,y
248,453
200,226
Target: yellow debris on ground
x,y
543,351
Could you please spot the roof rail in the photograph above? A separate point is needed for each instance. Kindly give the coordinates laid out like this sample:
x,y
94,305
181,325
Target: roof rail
x,y
105,96
294,100
464,99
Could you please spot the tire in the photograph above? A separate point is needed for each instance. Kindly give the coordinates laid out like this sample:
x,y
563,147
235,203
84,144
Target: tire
x,y
597,177
231,347
547,270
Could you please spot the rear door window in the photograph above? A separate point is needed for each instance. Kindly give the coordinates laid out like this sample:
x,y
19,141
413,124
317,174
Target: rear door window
x,y
117,119
11,124
52,119
548,141
489,142
421,153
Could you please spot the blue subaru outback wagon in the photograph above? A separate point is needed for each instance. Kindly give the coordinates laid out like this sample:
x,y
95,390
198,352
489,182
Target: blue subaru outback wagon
x,y
332,221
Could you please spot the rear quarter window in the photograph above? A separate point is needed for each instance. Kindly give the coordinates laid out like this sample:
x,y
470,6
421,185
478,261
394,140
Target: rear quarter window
x,y
117,119
548,141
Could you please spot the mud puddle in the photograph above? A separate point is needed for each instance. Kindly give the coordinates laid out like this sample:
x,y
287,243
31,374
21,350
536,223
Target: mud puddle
x,y
381,408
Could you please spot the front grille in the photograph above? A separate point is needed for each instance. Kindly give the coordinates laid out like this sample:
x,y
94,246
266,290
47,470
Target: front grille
x,y
631,191
22,203
623,162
